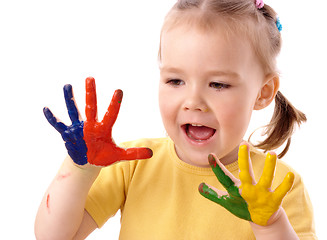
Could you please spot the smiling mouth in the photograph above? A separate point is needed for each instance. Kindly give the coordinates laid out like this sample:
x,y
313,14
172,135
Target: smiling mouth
x,y
198,133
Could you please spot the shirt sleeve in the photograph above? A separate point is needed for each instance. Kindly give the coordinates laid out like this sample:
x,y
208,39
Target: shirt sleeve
x,y
299,210
107,194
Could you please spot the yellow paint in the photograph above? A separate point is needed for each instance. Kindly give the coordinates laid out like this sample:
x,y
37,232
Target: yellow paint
x,y
243,162
262,201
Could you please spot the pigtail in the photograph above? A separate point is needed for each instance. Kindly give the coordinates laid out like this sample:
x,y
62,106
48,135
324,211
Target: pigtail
x,y
281,126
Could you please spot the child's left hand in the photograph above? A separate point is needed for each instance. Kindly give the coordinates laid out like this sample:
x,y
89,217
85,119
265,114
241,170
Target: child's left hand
x,y
246,199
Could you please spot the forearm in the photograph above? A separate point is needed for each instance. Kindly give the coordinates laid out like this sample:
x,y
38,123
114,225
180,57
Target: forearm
x,y
280,229
62,208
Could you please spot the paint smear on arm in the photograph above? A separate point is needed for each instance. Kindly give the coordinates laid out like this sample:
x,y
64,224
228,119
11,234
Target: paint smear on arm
x,y
63,176
48,203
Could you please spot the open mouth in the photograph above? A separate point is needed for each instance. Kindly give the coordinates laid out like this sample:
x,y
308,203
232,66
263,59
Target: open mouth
x,y
198,133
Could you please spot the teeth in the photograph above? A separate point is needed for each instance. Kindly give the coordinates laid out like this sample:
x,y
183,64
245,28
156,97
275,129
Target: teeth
x,y
196,125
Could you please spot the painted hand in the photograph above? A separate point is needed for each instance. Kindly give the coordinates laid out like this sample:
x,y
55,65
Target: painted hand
x,y
247,199
91,141
73,134
102,150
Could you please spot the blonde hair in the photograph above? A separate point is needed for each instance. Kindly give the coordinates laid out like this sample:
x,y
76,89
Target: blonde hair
x,y
259,26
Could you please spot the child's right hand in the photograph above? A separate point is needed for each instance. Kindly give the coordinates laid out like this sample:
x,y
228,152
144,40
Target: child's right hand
x,y
91,141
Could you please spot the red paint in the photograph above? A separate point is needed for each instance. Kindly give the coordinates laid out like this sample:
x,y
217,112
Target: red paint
x,y
48,203
212,161
63,176
201,187
101,148
201,190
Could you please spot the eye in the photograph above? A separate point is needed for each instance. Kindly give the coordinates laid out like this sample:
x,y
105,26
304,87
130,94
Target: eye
x,y
218,86
175,82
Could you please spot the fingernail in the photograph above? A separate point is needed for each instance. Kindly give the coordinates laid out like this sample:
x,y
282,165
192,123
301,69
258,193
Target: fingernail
x,y
212,160
244,147
150,152
118,95
90,78
290,176
90,82
203,188
272,156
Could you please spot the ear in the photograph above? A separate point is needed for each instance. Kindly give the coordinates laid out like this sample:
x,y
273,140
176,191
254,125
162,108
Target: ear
x,y
267,92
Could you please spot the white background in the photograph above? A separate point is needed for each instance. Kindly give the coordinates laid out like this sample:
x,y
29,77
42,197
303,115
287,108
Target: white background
x,y
46,44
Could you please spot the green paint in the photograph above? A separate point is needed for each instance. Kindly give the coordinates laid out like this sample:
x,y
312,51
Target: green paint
x,y
222,177
233,202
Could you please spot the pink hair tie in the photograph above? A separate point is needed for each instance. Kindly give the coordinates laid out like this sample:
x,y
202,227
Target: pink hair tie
x,y
259,4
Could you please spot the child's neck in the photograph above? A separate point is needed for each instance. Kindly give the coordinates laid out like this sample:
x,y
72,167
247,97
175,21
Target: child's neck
x,y
230,157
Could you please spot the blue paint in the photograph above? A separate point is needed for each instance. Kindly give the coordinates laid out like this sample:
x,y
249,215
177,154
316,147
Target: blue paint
x,y
73,134
70,103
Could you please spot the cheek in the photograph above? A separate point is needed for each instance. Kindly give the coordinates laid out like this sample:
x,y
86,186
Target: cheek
x,y
164,111
166,106
236,118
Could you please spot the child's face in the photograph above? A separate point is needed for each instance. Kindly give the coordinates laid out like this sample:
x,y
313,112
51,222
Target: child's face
x,y
208,89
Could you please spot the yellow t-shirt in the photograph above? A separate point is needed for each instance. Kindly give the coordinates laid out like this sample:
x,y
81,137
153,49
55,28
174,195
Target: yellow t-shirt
x,y
159,198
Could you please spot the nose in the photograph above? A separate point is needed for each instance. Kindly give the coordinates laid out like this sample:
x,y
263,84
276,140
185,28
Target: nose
x,y
194,101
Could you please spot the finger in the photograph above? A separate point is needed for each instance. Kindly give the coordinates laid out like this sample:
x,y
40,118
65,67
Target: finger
x,y
59,126
121,154
224,176
268,171
245,165
70,103
284,187
136,153
91,100
211,193
113,109
235,204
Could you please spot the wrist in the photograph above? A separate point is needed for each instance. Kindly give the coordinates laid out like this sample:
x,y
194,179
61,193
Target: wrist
x,y
86,172
278,227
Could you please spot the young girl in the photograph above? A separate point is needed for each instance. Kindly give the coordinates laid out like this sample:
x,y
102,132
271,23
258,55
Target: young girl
x,y
217,65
